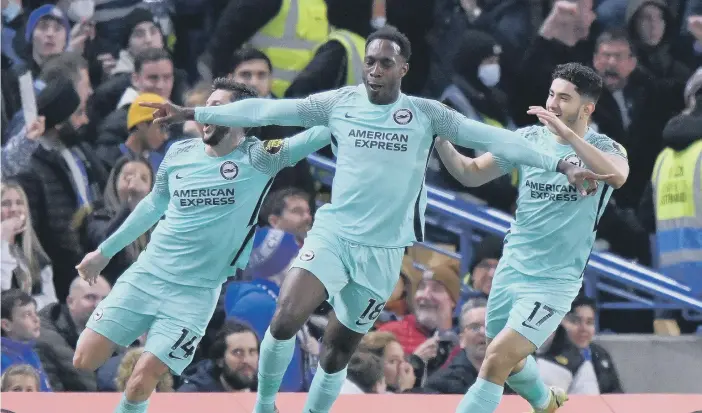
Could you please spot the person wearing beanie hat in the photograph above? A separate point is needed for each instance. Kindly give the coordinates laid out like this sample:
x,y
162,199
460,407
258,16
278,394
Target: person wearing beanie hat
x,y
482,269
140,32
144,137
206,195
47,32
57,102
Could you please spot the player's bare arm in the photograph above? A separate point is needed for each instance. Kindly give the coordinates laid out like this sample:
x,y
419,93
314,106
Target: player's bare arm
x,y
470,172
595,159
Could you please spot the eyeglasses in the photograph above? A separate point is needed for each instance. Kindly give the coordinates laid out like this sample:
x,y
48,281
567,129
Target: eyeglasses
x,y
474,327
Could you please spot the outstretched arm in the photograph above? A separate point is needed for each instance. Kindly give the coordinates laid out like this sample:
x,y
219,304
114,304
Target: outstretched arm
x,y
468,171
270,157
147,213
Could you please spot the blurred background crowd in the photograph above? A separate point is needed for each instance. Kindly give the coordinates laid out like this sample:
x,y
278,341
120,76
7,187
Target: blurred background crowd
x,y
72,175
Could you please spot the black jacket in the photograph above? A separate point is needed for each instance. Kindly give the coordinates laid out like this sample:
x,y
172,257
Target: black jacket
x,y
606,372
199,379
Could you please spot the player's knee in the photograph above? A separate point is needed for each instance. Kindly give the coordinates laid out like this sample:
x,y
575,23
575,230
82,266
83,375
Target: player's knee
x,y
282,328
336,354
145,376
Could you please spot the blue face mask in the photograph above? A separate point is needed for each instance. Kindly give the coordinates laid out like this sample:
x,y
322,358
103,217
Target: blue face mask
x,y
11,11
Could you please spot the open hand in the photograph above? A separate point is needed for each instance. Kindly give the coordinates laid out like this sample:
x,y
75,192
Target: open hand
x,y
167,113
91,266
550,120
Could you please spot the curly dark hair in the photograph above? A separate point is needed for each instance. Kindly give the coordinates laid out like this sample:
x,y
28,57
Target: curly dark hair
x,y
241,91
391,33
587,82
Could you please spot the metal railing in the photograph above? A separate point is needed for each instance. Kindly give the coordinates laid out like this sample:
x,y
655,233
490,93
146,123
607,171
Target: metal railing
x,y
630,286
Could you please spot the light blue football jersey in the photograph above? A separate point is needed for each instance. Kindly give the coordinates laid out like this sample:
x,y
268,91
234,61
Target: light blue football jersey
x,y
555,227
378,193
211,207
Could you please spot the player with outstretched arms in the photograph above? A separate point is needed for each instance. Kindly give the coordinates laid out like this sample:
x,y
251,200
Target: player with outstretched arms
x,y
352,255
210,191
549,243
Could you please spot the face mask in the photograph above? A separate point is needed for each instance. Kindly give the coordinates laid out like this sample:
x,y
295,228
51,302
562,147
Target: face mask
x,y
489,74
11,11
81,10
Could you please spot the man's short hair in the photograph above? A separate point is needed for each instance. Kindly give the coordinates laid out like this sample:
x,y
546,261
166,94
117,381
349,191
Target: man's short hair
x,y
249,53
391,33
614,35
471,304
69,64
149,56
274,204
9,299
365,370
587,82
239,90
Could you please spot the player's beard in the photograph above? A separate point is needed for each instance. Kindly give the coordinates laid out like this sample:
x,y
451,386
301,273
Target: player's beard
x,y
219,133
237,380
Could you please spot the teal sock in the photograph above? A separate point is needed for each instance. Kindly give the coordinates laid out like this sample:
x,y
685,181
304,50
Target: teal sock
x,y
324,390
125,406
482,397
528,384
274,358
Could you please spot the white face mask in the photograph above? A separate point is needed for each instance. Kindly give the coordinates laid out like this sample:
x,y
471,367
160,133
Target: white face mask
x,y
489,74
81,10
12,10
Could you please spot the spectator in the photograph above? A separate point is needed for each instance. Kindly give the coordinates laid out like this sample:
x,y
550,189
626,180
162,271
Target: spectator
x,y
253,68
632,109
671,206
153,74
462,370
232,365
61,325
129,182
364,374
20,327
262,24
482,269
579,323
14,18
61,159
25,264
428,332
288,210
46,35
145,139
399,374
140,33
337,62
254,301
651,27
126,367
21,146
561,365
20,378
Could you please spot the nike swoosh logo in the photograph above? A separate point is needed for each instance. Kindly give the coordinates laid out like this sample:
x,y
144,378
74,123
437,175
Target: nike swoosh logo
x,y
174,357
527,325
178,176
347,116
362,324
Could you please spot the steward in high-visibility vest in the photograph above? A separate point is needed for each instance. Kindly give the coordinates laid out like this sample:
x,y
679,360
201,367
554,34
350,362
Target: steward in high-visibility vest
x,y
291,38
338,62
677,199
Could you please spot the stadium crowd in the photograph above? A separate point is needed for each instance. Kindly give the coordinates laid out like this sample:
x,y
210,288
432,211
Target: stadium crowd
x,y
73,174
